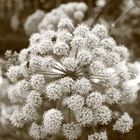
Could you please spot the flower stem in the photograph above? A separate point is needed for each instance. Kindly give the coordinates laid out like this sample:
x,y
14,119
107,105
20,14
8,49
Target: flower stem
x,y
59,102
113,25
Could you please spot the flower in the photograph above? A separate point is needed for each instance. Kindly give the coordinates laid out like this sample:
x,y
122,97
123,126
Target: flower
x,y
84,57
53,91
103,115
14,73
94,100
84,116
71,130
70,63
35,18
98,136
124,124
34,98
17,119
66,84
76,72
52,121
82,86
61,48
100,31
29,112
112,96
37,131
81,30
38,81
75,102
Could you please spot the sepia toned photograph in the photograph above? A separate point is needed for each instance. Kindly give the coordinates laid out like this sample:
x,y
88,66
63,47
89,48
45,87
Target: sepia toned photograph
x,y
69,69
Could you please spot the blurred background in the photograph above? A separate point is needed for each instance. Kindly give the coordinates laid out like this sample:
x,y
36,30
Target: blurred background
x,y
13,35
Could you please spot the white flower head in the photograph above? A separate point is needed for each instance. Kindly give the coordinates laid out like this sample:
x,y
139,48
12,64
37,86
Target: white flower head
x,y
100,31
52,121
124,124
79,16
84,57
29,112
37,131
84,116
103,115
81,30
82,86
17,119
71,130
66,84
65,24
14,73
94,100
112,96
53,91
75,102
61,49
34,98
38,81
70,63
98,136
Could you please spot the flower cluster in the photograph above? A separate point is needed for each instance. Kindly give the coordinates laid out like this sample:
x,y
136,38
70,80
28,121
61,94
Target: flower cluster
x,y
32,22
73,10
73,78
